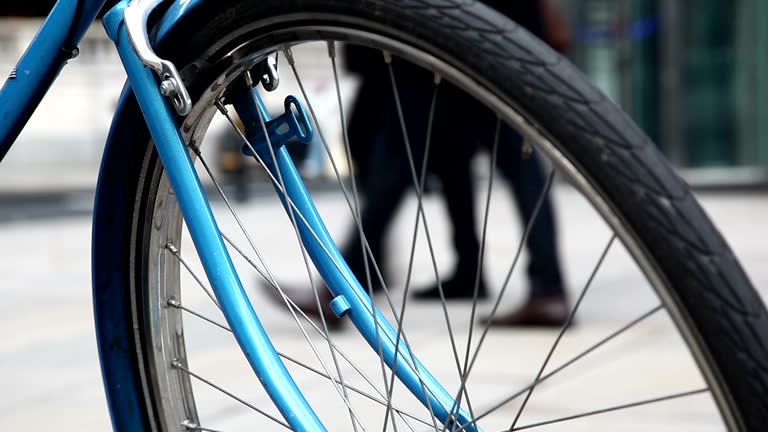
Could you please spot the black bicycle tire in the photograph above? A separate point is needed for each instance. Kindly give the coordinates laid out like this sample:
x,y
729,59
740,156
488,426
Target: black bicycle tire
x,y
724,314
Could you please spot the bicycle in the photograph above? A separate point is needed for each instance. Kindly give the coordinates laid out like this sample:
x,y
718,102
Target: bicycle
x,y
213,57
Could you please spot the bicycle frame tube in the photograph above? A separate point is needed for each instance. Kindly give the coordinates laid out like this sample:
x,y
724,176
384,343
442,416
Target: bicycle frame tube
x,y
239,312
371,323
241,317
54,44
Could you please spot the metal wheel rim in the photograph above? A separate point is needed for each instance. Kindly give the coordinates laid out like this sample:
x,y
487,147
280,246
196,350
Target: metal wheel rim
x,y
166,323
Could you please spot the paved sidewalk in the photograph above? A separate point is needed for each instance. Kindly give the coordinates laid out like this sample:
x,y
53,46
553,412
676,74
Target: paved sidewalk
x,y
50,377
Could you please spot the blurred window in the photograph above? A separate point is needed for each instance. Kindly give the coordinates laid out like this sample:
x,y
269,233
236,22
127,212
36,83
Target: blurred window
x,y
692,73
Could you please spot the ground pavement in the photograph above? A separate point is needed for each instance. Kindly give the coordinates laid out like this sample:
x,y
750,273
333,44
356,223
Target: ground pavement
x,y
49,370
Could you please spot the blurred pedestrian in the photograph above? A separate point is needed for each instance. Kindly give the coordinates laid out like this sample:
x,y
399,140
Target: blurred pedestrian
x,y
462,124
547,300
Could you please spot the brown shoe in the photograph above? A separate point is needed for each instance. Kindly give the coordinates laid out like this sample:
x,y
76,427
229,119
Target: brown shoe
x,y
305,300
536,312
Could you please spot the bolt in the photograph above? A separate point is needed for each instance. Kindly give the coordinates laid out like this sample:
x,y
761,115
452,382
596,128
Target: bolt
x,y
167,87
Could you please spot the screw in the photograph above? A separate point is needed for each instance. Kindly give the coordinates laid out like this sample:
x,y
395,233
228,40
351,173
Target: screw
x,y
167,87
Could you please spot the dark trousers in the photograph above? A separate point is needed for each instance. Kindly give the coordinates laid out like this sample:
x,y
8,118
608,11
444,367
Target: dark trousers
x,y
527,181
460,126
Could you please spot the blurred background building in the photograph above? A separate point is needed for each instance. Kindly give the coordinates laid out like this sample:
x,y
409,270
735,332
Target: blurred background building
x,y
61,146
693,74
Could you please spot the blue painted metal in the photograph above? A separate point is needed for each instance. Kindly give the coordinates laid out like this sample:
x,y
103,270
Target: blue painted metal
x,y
115,194
337,275
175,13
112,213
113,21
41,64
111,216
340,306
206,236
340,280
286,127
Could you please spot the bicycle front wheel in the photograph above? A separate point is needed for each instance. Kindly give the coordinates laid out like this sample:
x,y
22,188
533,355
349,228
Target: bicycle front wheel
x,y
624,209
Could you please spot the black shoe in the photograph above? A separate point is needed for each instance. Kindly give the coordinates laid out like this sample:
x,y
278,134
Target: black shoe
x,y
454,288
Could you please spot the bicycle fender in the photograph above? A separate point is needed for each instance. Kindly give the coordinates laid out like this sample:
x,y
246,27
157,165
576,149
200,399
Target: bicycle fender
x,y
122,158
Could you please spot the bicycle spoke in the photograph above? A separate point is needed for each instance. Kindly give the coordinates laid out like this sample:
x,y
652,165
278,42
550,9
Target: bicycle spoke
x,y
524,237
292,205
566,364
361,393
465,372
412,254
483,237
352,207
563,330
614,408
269,277
345,192
376,268
223,196
319,331
420,209
288,200
357,216
258,270
464,367
342,391
289,303
481,255
177,365
174,303
199,428
175,251
270,280
159,190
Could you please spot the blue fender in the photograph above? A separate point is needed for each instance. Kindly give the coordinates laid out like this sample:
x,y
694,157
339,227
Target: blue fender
x,y
111,241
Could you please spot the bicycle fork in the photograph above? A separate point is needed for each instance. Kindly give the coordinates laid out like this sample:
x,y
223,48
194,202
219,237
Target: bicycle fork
x,y
350,298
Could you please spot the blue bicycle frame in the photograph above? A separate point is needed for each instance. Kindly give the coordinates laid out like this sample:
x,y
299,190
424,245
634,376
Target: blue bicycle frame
x,y
53,46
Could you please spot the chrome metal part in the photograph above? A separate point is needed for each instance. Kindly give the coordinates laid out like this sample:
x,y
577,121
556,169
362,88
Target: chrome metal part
x,y
171,85
270,80
189,425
